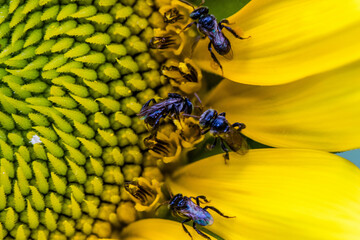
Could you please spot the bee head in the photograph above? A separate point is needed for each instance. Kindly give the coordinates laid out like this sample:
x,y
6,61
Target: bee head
x,y
197,13
175,200
207,118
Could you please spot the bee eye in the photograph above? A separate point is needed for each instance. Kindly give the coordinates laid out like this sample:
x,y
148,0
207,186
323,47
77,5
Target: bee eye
x,y
195,15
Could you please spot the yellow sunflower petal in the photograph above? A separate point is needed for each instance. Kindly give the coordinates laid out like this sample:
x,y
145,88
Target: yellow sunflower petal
x,y
290,39
318,112
157,229
277,194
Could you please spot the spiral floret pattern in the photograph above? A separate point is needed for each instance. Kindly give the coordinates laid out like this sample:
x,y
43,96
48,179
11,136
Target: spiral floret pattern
x,y
73,76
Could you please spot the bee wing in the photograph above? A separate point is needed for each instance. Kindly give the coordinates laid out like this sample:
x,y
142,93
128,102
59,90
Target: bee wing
x,y
145,111
160,106
236,141
229,55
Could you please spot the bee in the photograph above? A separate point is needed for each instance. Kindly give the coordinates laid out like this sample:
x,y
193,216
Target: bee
x,y
207,25
185,207
172,16
173,105
221,129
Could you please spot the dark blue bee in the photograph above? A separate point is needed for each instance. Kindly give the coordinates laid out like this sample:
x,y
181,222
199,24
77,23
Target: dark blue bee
x,y
209,27
221,129
173,105
184,207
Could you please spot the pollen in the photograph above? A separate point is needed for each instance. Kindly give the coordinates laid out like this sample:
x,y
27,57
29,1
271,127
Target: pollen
x,y
74,76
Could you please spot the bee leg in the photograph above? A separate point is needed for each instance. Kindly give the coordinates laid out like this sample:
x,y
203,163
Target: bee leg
x,y
232,31
223,21
222,114
185,229
197,199
214,58
210,147
187,26
204,131
156,125
239,126
200,232
226,155
217,211
148,103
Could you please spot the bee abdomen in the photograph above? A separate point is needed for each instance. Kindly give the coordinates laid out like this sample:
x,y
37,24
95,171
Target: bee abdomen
x,y
205,219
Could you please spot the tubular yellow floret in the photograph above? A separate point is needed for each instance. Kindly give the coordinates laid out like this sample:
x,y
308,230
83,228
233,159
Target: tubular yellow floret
x,y
59,184
33,20
50,13
62,44
66,11
2,198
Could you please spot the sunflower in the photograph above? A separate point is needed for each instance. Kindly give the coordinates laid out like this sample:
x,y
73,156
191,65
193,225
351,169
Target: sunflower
x,y
75,73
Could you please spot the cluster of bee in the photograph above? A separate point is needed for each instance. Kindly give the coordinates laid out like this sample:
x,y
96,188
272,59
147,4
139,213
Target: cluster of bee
x,y
177,107
208,27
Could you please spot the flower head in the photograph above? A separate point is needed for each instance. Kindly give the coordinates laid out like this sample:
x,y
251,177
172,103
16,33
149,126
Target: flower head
x,y
77,162
74,75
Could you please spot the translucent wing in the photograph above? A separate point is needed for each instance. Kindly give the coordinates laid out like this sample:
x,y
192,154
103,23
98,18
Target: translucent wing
x,y
160,106
145,111
229,55
235,140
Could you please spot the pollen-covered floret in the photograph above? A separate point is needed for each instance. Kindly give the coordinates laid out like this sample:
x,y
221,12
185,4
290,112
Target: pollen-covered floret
x,y
74,74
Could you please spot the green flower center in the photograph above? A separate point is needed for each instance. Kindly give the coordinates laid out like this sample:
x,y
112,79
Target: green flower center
x,y
73,76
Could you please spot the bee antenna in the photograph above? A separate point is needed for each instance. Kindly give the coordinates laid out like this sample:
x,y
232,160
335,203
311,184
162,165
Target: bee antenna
x,y
161,204
190,115
169,191
199,100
